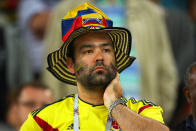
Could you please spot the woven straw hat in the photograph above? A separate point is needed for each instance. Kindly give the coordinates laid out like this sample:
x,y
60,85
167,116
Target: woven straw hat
x,y
83,19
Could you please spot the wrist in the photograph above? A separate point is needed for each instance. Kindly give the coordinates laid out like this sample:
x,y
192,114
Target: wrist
x,y
114,104
109,100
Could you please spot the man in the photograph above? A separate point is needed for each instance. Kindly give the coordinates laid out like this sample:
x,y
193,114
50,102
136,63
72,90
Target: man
x,y
92,55
24,100
144,75
190,93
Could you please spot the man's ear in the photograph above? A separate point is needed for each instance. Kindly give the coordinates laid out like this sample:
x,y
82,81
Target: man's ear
x,y
70,65
187,94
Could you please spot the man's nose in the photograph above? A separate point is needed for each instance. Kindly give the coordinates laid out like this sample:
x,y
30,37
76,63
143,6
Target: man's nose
x,y
99,55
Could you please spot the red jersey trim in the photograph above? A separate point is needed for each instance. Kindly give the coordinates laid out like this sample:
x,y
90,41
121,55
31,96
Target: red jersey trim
x,y
142,108
44,125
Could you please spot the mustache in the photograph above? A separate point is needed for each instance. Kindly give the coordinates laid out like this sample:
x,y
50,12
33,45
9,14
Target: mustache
x,y
98,63
112,66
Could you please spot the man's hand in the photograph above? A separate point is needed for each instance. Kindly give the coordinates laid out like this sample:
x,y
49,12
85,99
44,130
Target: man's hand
x,y
127,119
113,91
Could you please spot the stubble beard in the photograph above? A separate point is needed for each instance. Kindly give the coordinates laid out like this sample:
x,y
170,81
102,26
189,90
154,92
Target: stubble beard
x,y
96,80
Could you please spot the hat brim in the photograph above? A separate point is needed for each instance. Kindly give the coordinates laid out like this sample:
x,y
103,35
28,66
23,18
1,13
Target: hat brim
x,y
120,37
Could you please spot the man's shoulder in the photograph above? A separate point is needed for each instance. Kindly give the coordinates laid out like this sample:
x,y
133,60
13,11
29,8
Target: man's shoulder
x,y
51,115
146,108
139,105
61,104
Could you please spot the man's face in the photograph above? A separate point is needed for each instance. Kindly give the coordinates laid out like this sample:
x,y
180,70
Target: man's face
x,y
94,63
31,99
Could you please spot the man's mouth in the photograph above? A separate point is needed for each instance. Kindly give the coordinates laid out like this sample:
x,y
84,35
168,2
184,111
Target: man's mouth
x,y
99,68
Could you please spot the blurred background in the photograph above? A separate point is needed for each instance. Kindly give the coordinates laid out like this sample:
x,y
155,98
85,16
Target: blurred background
x,y
163,41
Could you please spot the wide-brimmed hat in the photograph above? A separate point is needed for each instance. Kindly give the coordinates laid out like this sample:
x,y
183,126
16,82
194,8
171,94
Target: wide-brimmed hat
x,y
83,19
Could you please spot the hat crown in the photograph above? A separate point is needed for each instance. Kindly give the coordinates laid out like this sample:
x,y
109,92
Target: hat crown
x,y
85,15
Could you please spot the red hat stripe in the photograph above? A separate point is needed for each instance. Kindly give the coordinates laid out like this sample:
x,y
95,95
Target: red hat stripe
x,y
104,22
76,24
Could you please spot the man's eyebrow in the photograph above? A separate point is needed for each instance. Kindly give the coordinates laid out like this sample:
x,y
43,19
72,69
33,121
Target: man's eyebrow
x,y
91,45
86,46
106,44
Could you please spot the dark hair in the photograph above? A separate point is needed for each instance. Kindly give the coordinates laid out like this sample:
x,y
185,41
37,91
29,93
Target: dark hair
x,y
188,74
15,93
70,50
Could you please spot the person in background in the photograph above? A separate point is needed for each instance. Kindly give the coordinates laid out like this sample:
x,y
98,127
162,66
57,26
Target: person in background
x,y
190,93
179,25
33,19
158,74
25,99
14,61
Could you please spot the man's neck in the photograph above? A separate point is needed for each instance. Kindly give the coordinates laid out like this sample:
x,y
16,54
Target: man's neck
x,y
94,97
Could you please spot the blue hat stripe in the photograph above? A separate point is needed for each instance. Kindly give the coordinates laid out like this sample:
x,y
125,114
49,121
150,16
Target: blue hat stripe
x,y
85,12
109,23
66,25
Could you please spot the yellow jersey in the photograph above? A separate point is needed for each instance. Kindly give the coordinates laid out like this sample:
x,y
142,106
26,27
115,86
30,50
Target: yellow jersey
x,y
58,116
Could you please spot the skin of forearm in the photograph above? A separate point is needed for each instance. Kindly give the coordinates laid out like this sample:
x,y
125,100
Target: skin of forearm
x,y
131,121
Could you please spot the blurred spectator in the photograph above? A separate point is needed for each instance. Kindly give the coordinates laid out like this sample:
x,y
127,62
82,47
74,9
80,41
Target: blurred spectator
x,y
181,36
190,93
14,62
24,100
180,29
3,83
33,18
150,38
7,15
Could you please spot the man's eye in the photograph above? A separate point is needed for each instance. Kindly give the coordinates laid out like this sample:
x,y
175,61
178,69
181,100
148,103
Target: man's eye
x,y
106,50
88,51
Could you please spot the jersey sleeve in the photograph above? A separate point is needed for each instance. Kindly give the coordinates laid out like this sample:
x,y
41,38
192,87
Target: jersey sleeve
x,y
154,112
146,108
30,124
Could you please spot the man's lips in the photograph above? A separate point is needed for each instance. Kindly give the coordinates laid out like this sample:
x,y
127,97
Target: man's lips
x,y
99,68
